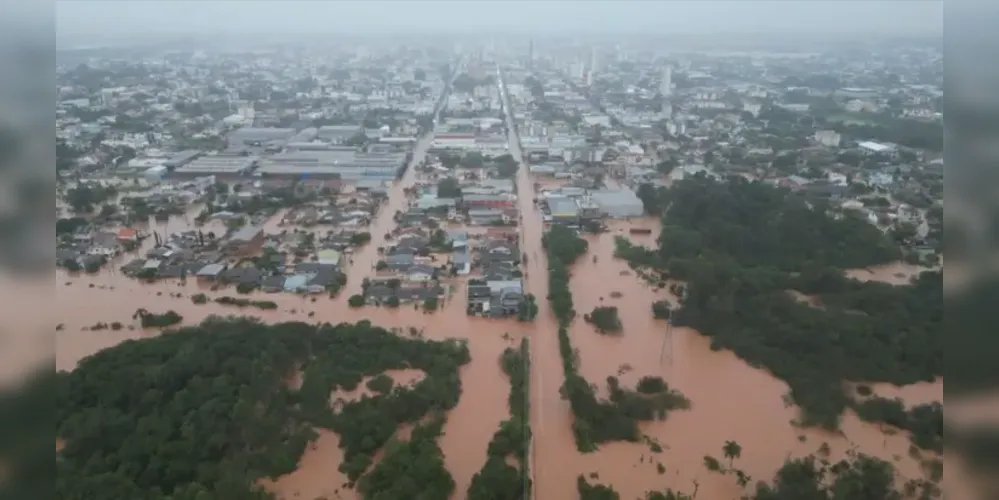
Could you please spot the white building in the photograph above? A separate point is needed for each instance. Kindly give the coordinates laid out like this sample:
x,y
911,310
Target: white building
x,y
837,179
828,138
870,147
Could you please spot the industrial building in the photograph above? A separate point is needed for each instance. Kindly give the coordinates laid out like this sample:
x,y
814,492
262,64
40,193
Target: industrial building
x,y
222,166
563,209
618,204
338,134
263,137
182,158
343,163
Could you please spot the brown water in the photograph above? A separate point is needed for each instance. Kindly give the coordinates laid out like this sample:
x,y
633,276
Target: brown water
x,y
470,426
731,401
897,273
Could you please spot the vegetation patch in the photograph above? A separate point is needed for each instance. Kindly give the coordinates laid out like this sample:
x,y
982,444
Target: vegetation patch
x,y
595,421
237,302
152,320
925,422
497,479
858,476
205,411
411,469
605,319
381,383
661,309
739,246
528,309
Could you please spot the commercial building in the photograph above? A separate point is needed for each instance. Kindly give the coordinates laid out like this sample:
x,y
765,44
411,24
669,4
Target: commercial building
x,y
618,204
338,134
347,164
488,201
181,158
459,141
252,136
563,209
221,166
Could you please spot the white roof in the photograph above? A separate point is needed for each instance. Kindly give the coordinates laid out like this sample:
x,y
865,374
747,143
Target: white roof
x,y
874,146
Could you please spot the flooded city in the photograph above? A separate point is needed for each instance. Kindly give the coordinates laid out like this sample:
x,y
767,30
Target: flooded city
x,y
731,400
405,256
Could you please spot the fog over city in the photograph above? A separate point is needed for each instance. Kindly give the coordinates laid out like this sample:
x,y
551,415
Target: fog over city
x,y
566,17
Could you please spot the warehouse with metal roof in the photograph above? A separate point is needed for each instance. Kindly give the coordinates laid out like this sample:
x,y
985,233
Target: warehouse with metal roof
x,y
343,163
618,203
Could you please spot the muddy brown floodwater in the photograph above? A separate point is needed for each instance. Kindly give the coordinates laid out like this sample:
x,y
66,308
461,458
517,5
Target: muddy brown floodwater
x,y
84,300
731,401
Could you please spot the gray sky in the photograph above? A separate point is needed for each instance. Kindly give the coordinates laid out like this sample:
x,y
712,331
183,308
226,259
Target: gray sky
x,y
119,17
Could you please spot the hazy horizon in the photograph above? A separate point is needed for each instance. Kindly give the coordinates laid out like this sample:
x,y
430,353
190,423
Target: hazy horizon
x,y
115,18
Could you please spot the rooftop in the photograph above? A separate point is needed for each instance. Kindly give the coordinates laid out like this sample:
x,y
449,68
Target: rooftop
x,y
219,164
246,233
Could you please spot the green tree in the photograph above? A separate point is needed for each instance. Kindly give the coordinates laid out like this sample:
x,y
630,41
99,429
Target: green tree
x,y
430,304
448,188
651,199
359,239
732,450
356,300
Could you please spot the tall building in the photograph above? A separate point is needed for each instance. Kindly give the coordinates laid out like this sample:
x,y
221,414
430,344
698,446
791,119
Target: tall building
x,y
666,87
593,67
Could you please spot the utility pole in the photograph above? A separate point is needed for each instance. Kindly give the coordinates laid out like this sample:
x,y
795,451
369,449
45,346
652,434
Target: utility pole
x,y
666,351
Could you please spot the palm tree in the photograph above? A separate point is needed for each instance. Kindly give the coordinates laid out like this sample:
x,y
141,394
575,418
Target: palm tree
x,y
732,450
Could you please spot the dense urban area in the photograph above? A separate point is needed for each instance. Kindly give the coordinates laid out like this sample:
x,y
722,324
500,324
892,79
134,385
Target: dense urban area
x,y
502,270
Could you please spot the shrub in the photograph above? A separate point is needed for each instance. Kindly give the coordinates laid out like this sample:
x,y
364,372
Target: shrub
x,y
605,318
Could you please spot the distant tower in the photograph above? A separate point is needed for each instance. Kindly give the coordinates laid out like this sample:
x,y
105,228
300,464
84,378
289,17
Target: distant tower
x,y
530,55
593,67
666,87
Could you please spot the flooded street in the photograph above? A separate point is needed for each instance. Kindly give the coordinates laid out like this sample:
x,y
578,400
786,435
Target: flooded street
x,y
84,300
730,400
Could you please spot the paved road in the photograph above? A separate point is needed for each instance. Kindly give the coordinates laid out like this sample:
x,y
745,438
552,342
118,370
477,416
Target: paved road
x,y
546,375
364,261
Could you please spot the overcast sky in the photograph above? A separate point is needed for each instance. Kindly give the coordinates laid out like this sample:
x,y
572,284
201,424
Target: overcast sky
x,y
134,17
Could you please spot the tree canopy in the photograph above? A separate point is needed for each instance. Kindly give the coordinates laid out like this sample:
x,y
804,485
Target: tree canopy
x,y
859,477
740,247
204,411
448,188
